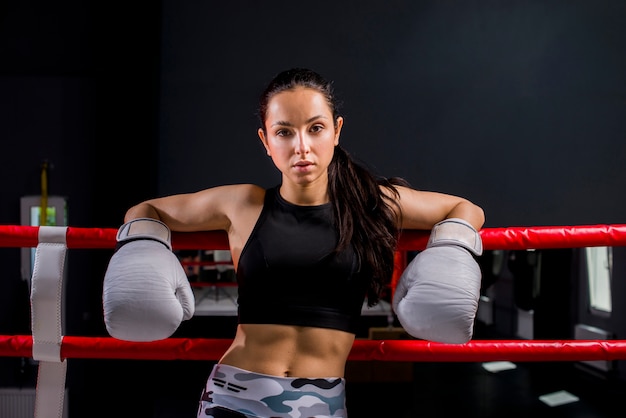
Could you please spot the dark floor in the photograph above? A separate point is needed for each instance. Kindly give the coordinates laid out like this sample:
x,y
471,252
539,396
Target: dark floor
x,y
470,390
467,389
154,389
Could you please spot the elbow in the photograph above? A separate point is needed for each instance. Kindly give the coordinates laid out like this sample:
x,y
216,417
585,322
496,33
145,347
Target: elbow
x,y
470,212
480,217
141,210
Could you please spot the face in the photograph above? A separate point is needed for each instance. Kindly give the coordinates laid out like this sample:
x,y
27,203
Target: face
x,y
300,135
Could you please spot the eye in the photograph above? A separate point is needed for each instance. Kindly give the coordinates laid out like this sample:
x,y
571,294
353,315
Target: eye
x,y
317,128
283,132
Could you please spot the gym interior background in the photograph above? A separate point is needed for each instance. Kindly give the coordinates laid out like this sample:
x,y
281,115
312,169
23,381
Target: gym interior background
x,y
519,106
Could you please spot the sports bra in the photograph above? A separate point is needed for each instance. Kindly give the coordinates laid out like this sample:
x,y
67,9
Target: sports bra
x,y
289,273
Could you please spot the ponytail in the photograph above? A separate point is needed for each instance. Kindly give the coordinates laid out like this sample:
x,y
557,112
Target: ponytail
x,y
365,218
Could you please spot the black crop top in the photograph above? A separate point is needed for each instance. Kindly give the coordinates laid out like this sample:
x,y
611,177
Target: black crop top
x,y
289,274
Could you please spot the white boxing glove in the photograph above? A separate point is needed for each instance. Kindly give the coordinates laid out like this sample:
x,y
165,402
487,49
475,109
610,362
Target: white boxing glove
x,y
436,298
146,293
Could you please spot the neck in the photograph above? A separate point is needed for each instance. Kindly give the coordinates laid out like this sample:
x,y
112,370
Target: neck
x,y
311,194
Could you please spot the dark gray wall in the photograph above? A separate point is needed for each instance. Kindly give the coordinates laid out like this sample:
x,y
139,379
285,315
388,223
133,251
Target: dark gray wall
x,y
517,105
79,89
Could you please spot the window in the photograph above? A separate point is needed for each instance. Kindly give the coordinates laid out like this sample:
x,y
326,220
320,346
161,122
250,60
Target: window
x,y
599,267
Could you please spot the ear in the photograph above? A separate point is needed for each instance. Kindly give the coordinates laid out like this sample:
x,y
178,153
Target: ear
x,y
264,140
338,127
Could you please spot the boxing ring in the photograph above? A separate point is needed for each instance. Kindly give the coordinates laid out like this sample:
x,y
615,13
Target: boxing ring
x,y
51,348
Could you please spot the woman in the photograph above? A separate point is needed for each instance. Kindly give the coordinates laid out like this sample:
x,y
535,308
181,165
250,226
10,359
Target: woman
x,y
308,252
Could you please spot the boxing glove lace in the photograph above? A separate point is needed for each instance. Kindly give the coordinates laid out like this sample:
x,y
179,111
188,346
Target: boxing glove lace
x,y
146,294
437,295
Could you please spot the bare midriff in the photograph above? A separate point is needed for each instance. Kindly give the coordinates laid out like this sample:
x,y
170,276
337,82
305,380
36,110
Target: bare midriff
x,y
289,351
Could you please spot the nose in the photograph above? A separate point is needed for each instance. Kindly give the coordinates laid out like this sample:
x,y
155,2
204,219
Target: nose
x,y
303,145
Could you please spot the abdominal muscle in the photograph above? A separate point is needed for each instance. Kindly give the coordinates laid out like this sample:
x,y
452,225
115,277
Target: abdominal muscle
x,y
289,351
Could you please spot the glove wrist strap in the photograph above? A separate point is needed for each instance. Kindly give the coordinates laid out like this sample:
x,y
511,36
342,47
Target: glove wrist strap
x,y
456,231
145,228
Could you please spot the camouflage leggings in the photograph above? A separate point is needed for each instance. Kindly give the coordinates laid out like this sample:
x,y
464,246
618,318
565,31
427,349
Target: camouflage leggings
x,y
231,392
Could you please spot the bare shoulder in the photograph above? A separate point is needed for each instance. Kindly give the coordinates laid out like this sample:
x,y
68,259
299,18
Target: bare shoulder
x,y
241,196
232,192
251,193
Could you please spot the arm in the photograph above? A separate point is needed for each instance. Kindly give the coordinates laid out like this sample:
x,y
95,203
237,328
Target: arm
x,y
423,209
437,295
146,293
206,210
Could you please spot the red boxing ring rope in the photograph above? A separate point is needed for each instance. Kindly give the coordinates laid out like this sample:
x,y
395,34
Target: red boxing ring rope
x,y
363,350
512,238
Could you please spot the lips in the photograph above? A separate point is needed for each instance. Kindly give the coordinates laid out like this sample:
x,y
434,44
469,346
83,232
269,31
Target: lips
x,y
303,163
